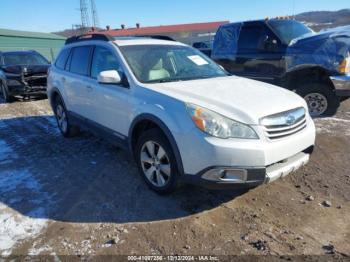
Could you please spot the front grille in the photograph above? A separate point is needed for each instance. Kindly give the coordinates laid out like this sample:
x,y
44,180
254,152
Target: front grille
x,y
36,80
284,124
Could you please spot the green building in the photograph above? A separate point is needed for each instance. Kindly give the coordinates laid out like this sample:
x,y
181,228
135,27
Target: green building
x,y
47,44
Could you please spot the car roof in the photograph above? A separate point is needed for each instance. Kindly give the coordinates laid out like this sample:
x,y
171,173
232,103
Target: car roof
x,y
127,41
18,52
258,21
94,38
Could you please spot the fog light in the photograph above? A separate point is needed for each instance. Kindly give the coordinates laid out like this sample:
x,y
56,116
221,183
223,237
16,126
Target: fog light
x,y
226,175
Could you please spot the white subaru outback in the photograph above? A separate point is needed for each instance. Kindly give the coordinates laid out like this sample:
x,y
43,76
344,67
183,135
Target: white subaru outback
x,y
181,115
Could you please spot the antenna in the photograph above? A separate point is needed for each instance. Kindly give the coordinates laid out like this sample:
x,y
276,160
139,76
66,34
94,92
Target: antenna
x,y
85,20
95,21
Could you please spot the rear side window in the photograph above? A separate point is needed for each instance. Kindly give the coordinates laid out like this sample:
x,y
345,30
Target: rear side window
x,y
250,37
62,59
79,63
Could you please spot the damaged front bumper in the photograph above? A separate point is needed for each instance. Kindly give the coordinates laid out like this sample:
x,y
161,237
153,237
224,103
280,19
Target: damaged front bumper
x,y
341,85
28,85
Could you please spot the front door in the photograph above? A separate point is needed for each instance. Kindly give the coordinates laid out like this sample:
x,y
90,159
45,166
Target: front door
x,y
259,54
111,107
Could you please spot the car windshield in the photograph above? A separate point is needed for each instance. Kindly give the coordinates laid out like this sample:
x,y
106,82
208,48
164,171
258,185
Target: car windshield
x,y
169,63
287,30
24,59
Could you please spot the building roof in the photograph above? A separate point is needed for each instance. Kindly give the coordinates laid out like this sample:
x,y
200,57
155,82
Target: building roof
x,y
26,34
166,29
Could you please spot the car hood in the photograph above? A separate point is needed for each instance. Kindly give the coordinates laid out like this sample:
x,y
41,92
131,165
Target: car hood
x,y
342,31
327,49
26,69
238,98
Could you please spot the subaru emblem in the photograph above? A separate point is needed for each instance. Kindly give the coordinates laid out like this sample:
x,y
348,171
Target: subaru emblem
x,y
290,120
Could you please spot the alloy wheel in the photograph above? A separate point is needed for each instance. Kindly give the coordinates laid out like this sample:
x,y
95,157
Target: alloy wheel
x,y
317,103
61,118
155,164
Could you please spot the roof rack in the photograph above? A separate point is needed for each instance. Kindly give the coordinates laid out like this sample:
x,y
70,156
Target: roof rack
x,y
89,37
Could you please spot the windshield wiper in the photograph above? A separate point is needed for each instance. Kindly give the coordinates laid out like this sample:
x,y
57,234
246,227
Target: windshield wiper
x,y
184,79
162,81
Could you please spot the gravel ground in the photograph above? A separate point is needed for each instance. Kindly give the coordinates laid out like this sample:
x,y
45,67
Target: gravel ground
x,y
82,196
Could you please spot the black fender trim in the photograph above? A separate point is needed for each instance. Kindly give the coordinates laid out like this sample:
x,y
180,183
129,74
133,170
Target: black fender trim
x,y
55,90
288,78
165,130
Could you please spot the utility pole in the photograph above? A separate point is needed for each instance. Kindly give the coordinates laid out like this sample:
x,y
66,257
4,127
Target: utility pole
x,y
85,20
95,21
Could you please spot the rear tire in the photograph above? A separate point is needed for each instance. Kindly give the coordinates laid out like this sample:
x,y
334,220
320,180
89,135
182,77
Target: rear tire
x,y
156,162
63,121
320,98
5,94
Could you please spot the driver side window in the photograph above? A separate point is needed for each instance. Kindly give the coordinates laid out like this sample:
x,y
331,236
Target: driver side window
x,y
103,60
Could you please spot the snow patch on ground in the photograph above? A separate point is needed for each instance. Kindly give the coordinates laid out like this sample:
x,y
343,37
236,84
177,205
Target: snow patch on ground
x,y
332,125
34,251
18,226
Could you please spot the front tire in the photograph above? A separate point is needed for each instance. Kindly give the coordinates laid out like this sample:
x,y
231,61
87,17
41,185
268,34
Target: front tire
x,y
156,162
5,94
62,118
320,98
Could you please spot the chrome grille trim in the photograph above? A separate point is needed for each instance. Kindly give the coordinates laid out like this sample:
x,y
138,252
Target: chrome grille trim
x,y
284,124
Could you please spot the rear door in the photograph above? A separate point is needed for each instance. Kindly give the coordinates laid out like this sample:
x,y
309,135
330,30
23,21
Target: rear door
x,y
259,54
77,81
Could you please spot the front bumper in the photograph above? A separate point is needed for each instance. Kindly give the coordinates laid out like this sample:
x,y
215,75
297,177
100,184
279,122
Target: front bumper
x,y
238,177
244,163
341,85
26,90
26,85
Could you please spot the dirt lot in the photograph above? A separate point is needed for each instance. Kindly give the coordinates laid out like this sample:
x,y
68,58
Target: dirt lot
x,y
82,196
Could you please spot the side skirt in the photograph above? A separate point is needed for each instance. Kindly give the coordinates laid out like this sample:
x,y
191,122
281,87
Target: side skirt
x,y
106,133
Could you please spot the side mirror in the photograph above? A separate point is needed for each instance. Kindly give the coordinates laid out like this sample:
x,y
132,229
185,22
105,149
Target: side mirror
x,y
109,77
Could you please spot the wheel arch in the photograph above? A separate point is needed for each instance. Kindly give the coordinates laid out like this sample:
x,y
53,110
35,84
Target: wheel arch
x,y
307,74
147,121
54,93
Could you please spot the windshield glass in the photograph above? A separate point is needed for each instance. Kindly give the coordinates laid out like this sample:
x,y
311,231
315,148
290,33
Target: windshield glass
x,y
24,59
287,30
169,63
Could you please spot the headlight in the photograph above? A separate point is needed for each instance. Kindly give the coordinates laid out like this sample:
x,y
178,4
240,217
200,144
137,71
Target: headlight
x,y
11,82
344,66
217,125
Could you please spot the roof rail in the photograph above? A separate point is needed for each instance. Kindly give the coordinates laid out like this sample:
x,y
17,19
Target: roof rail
x,y
89,37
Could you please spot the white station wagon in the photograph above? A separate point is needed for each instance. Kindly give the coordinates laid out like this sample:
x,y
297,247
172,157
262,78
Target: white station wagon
x,y
182,116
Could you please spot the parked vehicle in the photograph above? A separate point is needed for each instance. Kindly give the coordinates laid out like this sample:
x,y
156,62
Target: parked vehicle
x,y
289,54
182,117
204,47
22,73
